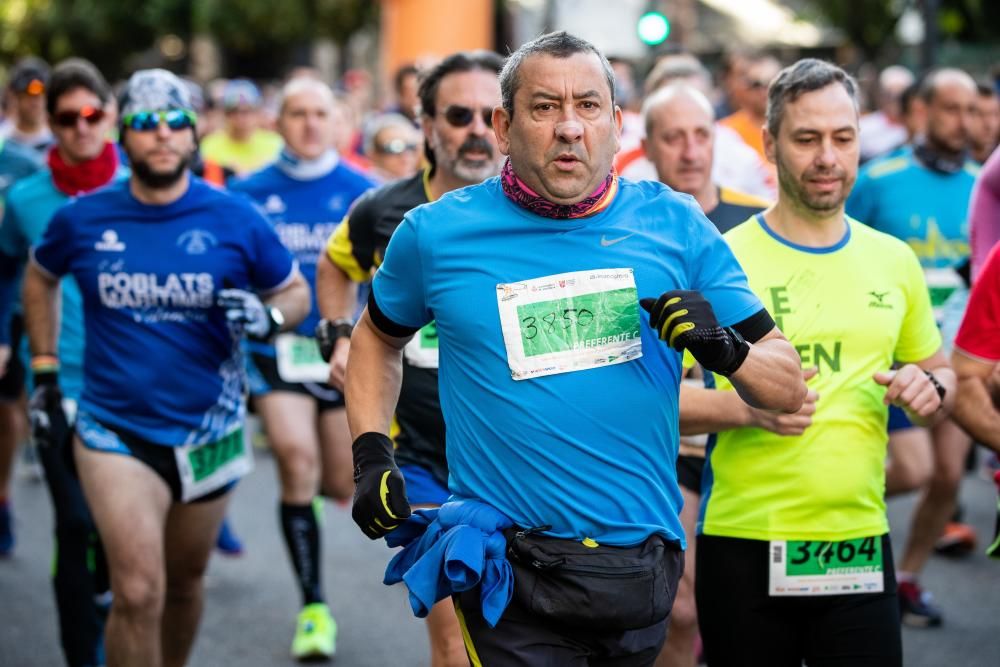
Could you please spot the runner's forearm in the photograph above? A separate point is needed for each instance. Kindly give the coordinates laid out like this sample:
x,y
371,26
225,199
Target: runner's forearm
x,y
293,302
42,298
942,371
770,377
374,374
974,411
336,294
710,411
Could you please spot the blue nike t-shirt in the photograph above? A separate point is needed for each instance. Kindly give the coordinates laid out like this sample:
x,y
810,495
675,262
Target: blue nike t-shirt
x,y
589,452
304,214
160,359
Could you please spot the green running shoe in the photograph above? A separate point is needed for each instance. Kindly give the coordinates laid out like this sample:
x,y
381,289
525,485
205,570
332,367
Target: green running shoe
x,y
315,634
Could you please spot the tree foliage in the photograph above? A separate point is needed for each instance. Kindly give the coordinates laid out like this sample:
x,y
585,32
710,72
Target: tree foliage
x,y
111,32
871,25
106,33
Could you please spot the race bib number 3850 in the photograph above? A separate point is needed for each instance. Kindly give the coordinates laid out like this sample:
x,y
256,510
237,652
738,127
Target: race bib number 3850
x,y
570,322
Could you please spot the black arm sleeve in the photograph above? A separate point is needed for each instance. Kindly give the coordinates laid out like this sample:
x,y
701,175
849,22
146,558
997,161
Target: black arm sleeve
x,y
383,323
756,326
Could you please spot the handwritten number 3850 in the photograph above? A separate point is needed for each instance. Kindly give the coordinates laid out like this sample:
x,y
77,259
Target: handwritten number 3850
x,y
580,317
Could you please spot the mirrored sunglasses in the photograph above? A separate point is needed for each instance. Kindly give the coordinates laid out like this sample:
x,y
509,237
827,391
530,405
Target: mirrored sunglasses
x,y
146,121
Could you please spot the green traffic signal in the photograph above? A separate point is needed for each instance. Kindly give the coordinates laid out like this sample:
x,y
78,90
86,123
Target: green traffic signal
x,y
653,28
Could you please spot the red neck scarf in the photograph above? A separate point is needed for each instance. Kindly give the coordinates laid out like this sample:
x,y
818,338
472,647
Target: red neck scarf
x,y
519,193
75,179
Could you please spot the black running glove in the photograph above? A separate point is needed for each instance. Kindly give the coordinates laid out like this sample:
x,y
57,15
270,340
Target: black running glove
x,y
380,503
49,426
685,320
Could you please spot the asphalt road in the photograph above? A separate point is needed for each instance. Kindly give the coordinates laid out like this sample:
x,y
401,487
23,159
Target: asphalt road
x,y
251,601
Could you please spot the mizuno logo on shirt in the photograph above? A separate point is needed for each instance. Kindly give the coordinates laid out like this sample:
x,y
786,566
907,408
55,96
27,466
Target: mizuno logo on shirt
x,y
109,242
605,242
878,300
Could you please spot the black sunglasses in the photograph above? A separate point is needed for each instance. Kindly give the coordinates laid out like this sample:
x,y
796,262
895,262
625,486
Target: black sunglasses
x,y
458,116
93,116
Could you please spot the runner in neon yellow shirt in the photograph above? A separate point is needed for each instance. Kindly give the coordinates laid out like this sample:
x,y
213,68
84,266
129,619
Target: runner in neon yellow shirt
x,y
241,145
793,554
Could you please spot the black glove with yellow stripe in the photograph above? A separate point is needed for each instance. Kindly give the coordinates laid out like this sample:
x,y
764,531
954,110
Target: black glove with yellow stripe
x,y
380,503
685,320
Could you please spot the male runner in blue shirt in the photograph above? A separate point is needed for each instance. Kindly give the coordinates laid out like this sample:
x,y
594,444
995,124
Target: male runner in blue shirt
x,y
169,269
559,400
305,193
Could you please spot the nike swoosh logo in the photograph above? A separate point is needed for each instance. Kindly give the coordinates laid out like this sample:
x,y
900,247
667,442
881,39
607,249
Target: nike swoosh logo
x,y
605,242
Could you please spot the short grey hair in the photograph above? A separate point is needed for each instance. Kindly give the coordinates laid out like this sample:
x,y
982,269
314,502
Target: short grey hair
x,y
667,94
805,76
678,66
556,44
303,84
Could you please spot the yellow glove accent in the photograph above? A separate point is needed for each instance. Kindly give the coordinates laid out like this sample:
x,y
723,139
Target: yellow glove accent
x,y
383,490
681,328
385,527
671,318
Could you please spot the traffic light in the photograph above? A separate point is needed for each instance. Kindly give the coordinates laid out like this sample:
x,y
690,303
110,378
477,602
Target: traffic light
x,y
653,28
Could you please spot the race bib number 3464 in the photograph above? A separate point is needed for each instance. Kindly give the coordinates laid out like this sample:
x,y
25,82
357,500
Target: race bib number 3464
x,y
570,322
826,568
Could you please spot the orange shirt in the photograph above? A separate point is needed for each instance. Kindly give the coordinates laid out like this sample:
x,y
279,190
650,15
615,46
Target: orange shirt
x,y
748,129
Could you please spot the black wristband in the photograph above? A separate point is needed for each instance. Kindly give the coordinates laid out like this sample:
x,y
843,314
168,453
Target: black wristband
x,y
328,333
938,387
741,349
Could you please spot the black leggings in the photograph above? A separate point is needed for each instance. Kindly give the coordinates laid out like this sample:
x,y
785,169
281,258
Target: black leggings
x,y
80,571
742,625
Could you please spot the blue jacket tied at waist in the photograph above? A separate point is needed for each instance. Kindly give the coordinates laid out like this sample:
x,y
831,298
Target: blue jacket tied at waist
x,y
452,549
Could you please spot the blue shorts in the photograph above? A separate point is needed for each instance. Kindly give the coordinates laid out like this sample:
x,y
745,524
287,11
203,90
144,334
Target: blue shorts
x,y
263,378
898,420
422,488
100,437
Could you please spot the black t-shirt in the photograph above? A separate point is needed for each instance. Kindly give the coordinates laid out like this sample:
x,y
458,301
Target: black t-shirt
x,y
418,428
734,208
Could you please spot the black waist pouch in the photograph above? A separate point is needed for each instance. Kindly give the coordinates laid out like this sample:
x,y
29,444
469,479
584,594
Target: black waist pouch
x,y
600,588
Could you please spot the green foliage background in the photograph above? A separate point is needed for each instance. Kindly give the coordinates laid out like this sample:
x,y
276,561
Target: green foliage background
x,y
113,33
258,37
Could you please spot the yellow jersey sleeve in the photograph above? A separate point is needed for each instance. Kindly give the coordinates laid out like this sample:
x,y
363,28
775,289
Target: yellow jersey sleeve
x,y
341,252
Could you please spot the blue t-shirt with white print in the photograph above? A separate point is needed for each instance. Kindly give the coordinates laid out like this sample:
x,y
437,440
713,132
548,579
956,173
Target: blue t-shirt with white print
x,y
161,361
304,213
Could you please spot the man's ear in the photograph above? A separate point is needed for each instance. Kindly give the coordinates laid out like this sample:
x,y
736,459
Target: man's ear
x,y
769,145
501,128
619,118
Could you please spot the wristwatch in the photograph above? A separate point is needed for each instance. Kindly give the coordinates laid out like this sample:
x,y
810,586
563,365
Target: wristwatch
x,y
328,333
277,319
